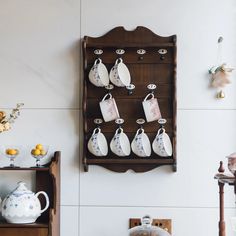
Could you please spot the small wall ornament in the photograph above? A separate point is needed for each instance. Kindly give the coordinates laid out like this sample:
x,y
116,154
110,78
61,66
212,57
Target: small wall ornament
x,y
221,73
6,121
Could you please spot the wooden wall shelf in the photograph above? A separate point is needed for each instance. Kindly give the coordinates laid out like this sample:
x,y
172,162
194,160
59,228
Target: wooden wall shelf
x,y
150,68
48,224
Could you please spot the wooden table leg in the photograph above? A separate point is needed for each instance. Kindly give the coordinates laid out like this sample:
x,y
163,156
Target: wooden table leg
x,y
222,221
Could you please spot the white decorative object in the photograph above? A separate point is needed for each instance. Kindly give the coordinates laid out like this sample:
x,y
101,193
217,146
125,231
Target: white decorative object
x,y
22,206
220,73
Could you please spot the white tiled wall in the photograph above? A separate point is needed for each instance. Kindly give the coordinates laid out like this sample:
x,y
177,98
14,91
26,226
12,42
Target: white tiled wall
x,y
40,61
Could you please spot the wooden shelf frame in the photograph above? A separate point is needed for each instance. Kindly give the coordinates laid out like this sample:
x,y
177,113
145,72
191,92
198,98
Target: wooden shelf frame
x,y
148,68
48,224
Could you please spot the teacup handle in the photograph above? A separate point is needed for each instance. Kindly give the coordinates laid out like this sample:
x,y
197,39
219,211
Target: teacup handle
x,y
95,130
119,60
161,129
108,94
119,129
47,200
97,61
150,94
138,131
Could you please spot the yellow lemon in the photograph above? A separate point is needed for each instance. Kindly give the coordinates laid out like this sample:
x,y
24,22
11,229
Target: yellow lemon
x,y
43,152
39,146
36,152
12,152
8,151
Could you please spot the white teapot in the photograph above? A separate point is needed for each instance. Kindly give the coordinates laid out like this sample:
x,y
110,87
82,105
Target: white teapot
x,y
22,206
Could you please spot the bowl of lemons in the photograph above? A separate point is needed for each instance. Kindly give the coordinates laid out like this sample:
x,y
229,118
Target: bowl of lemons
x,y
39,151
12,152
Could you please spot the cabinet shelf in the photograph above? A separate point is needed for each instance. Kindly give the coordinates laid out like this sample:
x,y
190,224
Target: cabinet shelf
x,y
122,165
25,169
48,224
33,225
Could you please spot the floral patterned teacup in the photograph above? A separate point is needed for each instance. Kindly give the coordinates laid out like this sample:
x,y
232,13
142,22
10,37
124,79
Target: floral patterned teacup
x,y
98,74
97,144
162,145
141,144
120,144
151,108
109,108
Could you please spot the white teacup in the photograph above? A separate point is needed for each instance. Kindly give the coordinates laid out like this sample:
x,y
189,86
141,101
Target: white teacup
x,y
98,75
120,144
109,108
161,145
141,144
97,144
151,108
119,74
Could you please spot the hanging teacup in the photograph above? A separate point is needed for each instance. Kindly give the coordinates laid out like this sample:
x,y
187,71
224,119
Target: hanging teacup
x,y
151,108
98,74
109,108
97,143
120,144
141,144
119,74
162,145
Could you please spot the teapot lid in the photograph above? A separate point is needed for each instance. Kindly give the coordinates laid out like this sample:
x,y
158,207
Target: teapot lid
x,y
21,189
146,229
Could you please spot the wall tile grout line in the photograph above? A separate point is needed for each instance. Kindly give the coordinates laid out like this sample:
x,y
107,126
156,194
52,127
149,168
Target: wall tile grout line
x,y
166,207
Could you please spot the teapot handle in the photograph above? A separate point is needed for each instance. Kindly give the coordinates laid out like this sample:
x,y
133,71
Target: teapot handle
x,y
47,200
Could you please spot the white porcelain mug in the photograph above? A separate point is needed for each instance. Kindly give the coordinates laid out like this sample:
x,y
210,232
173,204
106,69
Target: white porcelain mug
x,y
161,145
98,75
119,74
109,108
141,144
120,144
97,143
151,108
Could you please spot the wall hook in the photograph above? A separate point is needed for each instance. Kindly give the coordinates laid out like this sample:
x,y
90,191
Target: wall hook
x,y
98,52
151,87
130,88
120,51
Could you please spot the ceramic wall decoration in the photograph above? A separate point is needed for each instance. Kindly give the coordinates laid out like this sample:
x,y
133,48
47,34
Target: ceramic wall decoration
x,y
6,121
97,144
22,206
220,73
109,108
119,74
98,74
151,108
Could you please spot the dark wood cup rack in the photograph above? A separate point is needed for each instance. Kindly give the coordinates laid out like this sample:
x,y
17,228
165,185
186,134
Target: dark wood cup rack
x,y
149,68
48,224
